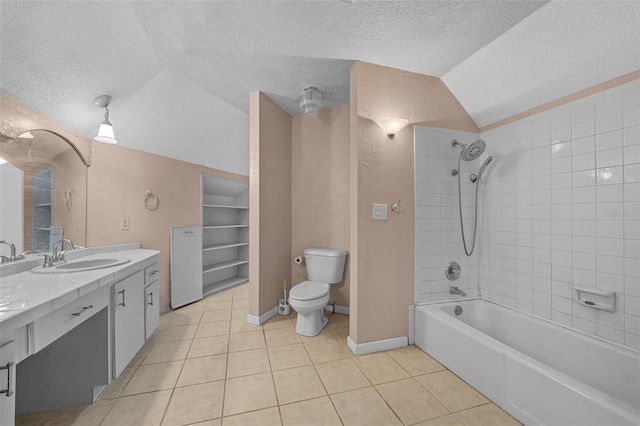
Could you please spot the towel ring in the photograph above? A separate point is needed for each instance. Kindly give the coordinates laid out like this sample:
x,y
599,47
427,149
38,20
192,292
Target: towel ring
x,y
150,200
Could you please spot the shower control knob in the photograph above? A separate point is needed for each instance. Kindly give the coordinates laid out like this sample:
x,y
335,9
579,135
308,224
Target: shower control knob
x,y
452,271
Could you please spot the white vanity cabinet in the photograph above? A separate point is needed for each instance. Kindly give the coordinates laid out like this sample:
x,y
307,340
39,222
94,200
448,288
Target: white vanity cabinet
x,y
151,299
128,320
8,360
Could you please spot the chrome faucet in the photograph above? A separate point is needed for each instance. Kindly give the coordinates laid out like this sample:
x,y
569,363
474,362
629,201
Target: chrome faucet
x,y
56,257
13,250
456,290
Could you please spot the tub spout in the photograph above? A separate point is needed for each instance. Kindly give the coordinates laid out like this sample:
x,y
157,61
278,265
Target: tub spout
x,y
456,290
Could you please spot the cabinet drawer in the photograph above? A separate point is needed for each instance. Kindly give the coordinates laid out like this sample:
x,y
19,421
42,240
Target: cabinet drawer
x,y
151,273
55,324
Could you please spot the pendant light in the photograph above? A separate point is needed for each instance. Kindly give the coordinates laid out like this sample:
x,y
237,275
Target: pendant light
x,y
105,133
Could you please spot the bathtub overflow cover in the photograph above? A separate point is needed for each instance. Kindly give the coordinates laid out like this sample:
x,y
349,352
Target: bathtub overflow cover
x,y
457,310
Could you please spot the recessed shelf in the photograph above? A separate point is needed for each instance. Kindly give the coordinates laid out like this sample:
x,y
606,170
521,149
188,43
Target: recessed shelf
x,y
220,206
225,208
224,246
222,265
42,205
224,226
221,285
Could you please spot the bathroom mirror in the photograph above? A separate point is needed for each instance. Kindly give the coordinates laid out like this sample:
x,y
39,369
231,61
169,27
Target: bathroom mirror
x,y
43,191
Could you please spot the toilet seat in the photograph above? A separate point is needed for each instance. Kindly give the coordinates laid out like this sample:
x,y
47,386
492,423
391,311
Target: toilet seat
x,y
309,290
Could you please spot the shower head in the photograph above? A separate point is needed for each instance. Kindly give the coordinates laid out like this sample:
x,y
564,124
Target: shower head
x,y
471,151
484,166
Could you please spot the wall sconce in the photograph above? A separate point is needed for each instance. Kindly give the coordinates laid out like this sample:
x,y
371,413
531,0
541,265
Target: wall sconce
x,y
310,100
105,133
391,126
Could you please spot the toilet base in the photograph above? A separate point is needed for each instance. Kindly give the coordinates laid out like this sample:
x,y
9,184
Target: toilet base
x,y
311,324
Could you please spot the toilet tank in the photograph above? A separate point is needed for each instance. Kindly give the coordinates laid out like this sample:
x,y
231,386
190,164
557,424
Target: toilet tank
x,y
325,265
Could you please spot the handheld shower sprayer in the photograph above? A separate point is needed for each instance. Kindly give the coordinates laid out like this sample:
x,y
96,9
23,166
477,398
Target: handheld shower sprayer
x,y
470,152
477,177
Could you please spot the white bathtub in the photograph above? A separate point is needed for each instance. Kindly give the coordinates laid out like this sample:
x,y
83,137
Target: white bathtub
x,y
539,372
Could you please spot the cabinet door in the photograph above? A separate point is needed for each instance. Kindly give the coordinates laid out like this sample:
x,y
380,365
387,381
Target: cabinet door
x,y
151,308
186,265
8,359
128,297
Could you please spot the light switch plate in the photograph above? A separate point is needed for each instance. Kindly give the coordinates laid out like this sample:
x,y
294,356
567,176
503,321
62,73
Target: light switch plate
x,y
379,212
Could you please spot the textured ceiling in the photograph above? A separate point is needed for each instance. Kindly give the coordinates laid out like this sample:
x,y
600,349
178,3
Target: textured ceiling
x,y
180,72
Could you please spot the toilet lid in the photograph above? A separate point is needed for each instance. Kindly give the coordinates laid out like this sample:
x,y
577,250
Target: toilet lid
x,y
309,290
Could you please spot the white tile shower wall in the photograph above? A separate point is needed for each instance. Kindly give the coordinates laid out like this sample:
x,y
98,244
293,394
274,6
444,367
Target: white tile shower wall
x,y
438,239
560,207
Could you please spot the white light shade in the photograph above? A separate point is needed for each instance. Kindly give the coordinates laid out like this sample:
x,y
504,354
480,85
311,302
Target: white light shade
x,y
391,126
2,160
105,134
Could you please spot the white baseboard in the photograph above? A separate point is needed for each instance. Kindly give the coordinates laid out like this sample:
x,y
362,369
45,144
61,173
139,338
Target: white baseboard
x,y
377,345
338,309
344,310
255,320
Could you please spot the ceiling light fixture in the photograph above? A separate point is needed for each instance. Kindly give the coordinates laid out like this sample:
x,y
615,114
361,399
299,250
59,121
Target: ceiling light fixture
x,y
2,161
391,126
105,133
310,100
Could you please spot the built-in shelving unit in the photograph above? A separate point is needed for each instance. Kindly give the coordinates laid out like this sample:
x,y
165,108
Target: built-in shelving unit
x,y
225,233
41,211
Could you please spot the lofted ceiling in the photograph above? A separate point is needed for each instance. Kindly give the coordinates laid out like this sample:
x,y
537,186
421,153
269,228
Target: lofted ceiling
x,y
180,72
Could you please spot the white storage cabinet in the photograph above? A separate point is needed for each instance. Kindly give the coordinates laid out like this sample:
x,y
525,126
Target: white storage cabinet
x,y
129,319
151,299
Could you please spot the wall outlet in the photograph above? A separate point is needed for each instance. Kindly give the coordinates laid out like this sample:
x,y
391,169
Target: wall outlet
x,y
124,224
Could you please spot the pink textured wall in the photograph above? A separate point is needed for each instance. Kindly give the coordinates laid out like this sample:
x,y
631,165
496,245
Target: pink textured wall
x,y
118,177
320,190
382,265
270,202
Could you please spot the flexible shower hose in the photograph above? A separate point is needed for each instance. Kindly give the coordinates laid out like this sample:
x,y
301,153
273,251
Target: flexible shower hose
x,y
475,220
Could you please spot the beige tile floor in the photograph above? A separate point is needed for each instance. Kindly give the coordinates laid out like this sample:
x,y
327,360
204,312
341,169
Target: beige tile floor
x,y
205,365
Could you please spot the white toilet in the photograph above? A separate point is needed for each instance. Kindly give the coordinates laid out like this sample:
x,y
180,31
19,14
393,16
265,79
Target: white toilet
x,y
308,299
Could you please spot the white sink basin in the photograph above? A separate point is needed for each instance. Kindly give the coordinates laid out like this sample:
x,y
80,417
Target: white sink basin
x,y
81,265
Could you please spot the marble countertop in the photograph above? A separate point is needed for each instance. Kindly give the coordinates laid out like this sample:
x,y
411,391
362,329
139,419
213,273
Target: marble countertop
x,y
25,296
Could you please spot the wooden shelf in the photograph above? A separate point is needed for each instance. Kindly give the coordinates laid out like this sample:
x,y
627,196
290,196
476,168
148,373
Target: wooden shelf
x,y
222,265
224,246
221,285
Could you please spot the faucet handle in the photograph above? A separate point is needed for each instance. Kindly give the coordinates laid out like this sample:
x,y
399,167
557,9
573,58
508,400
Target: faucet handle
x,y
48,261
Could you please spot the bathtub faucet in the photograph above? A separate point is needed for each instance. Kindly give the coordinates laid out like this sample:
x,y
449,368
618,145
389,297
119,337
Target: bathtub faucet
x,y
456,290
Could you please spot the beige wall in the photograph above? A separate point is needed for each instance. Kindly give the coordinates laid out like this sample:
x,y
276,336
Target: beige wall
x,y
270,202
320,190
118,177
382,270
